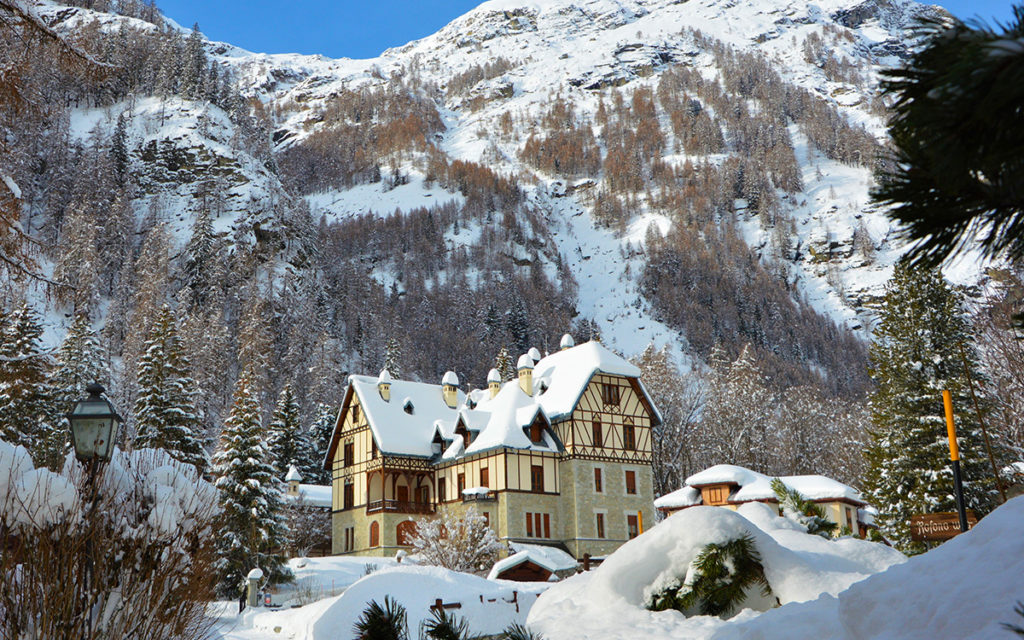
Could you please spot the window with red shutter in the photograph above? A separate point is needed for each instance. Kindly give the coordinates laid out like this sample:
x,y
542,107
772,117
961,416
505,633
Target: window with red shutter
x,y
631,482
598,485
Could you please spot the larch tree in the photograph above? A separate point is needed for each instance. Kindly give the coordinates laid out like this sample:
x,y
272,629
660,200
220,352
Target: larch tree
x,y
165,415
252,529
288,442
922,346
26,397
679,399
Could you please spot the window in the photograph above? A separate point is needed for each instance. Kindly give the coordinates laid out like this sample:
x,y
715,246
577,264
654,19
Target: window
x,y
632,526
350,538
461,485
487,518
628,436
536,432
349,495
610,394
631,482
538,525
717,495
598,486
537,478
596,435
355,413
374,534
349,454
440,490
423,495
600,525
485,477
850,518
402,493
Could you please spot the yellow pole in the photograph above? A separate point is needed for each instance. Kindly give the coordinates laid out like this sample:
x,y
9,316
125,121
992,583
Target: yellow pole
x,y
954,455
947,400
640,520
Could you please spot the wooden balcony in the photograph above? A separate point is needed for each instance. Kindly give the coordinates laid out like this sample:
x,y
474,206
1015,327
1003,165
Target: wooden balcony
x,y
396,506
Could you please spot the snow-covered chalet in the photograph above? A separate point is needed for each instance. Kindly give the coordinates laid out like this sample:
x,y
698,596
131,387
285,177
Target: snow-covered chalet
x,y
559,456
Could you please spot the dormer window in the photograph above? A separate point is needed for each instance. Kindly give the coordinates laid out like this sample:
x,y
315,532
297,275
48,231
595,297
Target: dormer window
x,y
537,431
407,406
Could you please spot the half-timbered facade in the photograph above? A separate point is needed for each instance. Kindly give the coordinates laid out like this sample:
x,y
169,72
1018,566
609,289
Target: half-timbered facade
x,y
561,455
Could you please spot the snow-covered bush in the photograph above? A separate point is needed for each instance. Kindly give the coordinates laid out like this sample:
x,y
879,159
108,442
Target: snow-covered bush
x,y
126,554
460,543
717,582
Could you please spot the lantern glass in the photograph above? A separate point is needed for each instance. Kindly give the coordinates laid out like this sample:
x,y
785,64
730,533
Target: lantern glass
x,y
94,426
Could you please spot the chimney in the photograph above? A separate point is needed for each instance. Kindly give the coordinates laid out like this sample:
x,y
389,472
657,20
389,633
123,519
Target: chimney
x,y
525,370
384,385
450,388
293,479
567,342
534,354
493,382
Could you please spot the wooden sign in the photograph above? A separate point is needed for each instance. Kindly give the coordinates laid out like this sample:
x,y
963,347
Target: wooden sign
x,y
933,527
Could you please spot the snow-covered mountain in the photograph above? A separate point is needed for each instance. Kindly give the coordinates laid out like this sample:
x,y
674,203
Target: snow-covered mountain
x,y
786,86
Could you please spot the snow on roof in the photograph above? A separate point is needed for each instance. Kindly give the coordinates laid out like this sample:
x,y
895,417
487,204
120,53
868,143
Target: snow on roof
x,y
384,376
524,362
396,431
493,376
314,495
534,354
517,559
450,379
508,413
557,558
723,473
757,486
685,497
567,372
566,342
293,474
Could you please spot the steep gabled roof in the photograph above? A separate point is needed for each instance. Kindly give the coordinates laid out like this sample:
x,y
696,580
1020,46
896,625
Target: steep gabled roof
x,y
397,432
508,414
567,373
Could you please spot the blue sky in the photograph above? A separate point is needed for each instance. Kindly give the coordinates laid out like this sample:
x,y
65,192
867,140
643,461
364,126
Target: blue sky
x,y
357,29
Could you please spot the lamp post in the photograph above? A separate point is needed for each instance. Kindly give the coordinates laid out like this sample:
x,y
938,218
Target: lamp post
x,y
94,425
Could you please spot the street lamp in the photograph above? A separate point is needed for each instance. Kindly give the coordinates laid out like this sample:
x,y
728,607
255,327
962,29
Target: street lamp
x,y
94,426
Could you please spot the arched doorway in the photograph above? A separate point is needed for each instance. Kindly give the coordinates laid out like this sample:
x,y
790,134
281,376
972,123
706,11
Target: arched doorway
x,y
404,532
374,534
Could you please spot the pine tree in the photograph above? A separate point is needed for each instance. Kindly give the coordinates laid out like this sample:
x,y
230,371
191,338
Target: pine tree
x,y
518,325
504,364
80,362
119,148
320,433
252,527
194,65
393,359
165,415
796,507
26,398
918,350
288,442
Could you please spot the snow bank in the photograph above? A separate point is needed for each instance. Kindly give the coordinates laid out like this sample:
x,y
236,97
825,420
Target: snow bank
x,y
488,606
609,602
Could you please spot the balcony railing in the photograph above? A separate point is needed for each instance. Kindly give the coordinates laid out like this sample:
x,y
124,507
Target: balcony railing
x,y
396,506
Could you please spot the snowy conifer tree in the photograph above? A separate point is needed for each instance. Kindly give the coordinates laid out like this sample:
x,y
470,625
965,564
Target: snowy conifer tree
x,y
165,415
252,526
393,359
288,442
80,362
504,364
916,354
320,433
26,398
